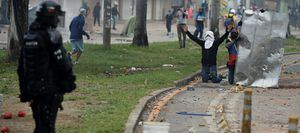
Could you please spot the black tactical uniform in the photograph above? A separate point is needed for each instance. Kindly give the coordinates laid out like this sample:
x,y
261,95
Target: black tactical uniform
x,y
45,71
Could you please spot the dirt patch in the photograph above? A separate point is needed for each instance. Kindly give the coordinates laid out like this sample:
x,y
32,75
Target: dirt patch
x,y
26,125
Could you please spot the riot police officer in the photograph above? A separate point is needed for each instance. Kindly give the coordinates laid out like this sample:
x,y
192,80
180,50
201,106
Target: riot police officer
x,y
44,70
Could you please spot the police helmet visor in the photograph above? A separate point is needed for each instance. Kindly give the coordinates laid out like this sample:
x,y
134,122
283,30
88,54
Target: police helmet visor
x,y
49,8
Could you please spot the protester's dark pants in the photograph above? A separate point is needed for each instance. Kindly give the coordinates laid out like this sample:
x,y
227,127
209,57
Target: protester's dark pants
x,y
199,29
97,19
114,21
181,35
209,72
168,25
44,111
231,75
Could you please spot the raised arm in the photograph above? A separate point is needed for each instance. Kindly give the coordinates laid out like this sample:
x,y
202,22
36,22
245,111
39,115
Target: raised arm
x,y
194,38
220,40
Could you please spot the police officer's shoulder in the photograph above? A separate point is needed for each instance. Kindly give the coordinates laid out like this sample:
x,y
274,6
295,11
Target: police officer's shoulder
x,y
55,36
34,33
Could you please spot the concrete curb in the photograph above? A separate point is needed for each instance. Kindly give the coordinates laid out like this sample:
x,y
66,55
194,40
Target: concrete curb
x,y
186,80
136,114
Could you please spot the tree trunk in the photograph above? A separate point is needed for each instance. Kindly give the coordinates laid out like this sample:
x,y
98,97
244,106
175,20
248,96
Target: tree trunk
x,y
248,4
89,17
215,11
132,6
283,6
18,27
107,24
140,32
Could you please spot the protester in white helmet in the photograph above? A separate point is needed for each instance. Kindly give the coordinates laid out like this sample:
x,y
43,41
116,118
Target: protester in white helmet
x,y
77,31
115,14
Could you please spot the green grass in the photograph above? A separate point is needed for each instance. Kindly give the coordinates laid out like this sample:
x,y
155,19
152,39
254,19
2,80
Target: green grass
x,y
292,45
109,98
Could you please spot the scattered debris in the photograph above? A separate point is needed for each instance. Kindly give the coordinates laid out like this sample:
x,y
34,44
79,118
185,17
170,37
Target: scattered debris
x,y
4,130
194,114
171,57
168,65
220,108
236,89
295,62
190,88
108,73
140,123
21,114
192,130
146,82
132,70
223,124
202,125
198,78
7,115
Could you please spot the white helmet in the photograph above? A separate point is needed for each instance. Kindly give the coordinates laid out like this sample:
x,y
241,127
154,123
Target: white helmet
x,y
232,11
116,3
82,11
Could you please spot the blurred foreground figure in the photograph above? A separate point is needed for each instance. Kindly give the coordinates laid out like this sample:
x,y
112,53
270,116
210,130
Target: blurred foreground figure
x,y
44,70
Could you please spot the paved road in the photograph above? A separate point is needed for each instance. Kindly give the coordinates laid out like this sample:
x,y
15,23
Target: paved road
x,y
271,107
196,101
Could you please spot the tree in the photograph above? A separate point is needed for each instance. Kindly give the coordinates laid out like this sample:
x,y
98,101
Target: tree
x,y
107,24
140,32
18,26
89,17
215,11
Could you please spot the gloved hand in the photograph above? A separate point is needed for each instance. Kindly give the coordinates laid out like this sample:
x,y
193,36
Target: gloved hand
x,y
227,45
88,36
227,29
262,10
240,23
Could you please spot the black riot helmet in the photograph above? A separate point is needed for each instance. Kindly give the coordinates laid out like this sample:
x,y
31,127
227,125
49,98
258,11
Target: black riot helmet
x,y
48,12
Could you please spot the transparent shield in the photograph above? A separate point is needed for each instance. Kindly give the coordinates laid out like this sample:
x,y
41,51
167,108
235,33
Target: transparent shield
x,y
261,49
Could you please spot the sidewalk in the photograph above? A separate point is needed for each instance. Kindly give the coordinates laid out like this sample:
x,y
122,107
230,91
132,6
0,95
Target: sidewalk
x,y
156,33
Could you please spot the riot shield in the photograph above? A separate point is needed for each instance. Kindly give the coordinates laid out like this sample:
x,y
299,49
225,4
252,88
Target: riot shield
x,y
261,49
